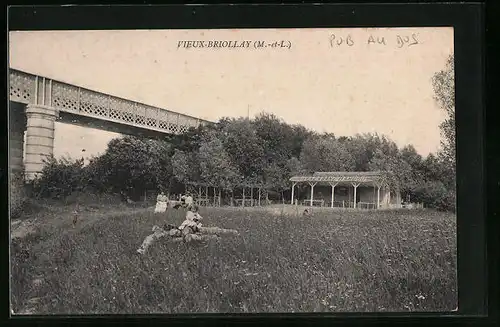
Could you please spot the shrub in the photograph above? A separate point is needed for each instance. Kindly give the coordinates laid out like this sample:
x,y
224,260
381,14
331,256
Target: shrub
x,y
17,194
435,195
59,178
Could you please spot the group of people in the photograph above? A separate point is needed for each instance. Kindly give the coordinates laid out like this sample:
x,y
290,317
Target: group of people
x,y
163,202
187,231
191,228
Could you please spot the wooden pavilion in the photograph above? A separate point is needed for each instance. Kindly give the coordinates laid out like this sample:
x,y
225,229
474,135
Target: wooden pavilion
x,y
364,190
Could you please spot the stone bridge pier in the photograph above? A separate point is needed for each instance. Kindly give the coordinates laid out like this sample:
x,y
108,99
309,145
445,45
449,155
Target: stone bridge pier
x,y
38,122
40,128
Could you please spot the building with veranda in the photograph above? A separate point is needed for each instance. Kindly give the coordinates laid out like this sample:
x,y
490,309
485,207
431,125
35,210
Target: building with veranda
x,y
363,190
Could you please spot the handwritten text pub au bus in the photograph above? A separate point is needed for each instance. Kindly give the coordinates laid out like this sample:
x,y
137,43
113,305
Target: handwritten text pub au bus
x,y
399,41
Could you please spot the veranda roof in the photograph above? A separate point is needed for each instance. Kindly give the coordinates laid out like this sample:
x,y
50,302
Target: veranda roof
x,y
236,185
377,177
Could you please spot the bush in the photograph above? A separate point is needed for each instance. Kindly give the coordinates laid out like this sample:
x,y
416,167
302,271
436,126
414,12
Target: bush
x,y
131,166
60,178
435,195
17,194
92,198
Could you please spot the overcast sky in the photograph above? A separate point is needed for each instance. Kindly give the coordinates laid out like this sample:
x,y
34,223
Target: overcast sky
x,y
365,87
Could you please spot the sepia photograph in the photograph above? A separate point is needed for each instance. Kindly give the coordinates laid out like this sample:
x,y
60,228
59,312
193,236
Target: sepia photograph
x,y
285,170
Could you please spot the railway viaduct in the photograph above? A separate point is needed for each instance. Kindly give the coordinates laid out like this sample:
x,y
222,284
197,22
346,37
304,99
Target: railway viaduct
x,y
37,102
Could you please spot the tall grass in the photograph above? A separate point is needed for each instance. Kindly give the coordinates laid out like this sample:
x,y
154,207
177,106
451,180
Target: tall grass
x,y
17,196
333,261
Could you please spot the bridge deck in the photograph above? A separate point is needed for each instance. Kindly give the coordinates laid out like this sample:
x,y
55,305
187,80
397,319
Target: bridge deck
x,y
33,89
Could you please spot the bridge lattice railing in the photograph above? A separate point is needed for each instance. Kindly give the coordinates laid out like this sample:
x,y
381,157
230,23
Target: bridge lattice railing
x,y
32,89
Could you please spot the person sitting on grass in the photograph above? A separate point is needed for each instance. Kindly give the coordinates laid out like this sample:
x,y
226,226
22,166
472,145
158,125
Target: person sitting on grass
x,y
190,230
192,223
187,200
176,204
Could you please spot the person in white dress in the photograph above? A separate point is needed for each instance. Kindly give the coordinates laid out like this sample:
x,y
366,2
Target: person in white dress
x,y
161,203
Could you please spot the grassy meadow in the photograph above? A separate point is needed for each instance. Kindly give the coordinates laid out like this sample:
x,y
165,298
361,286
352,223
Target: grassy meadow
x,y
333,261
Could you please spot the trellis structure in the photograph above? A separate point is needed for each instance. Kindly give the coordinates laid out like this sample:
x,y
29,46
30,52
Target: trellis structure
x,y
249,189
376,181
202,191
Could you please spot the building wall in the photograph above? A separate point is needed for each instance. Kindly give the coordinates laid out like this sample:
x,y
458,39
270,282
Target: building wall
x,y
367,194
324,192
342,193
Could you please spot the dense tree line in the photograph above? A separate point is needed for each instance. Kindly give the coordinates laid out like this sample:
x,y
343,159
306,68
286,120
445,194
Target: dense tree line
x,y
264,151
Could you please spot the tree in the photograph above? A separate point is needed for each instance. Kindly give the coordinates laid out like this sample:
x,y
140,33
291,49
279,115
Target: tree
x,y
276,138
325,153
276,177
299,135
411,156
295,167
160,151
443,83
132,165
398,173
362,148
280,141
243,146
185,167
216,168
385,163
432,168
414,162
190,140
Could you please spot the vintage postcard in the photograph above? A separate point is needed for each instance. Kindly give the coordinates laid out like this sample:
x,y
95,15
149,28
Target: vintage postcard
x,y
232,171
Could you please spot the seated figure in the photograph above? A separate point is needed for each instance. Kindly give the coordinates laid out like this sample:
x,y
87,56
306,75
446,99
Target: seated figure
x,y
190,230
161,203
